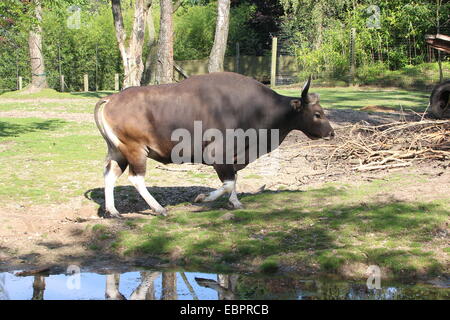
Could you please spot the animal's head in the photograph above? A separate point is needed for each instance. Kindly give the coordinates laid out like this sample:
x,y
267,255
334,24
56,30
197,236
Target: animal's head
x,y
311,118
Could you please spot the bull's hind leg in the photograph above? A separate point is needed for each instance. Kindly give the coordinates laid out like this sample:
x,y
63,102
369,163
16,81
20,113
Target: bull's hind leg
x,y
228,176
136,177
114,167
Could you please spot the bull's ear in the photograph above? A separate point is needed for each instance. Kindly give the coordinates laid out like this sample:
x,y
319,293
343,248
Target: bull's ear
x,y
306,89
296,104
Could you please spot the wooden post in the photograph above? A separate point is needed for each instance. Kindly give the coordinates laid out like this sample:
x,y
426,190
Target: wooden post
x,y
352,56
61,83
116,82
238,58
86,83
273,68
19,83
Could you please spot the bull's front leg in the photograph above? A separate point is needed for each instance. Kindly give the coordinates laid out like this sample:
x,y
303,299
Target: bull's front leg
x,y
228,176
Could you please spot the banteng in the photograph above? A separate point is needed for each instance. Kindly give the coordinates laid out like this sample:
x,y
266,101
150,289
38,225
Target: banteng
x,y
139,123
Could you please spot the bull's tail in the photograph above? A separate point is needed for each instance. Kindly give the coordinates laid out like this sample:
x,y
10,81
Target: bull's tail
x,y
105,129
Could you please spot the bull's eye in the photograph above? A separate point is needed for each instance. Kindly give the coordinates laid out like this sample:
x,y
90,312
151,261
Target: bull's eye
x,y
317,115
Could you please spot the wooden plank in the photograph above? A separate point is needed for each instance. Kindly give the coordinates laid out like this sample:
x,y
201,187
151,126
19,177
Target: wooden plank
x,y
180,70
86,83
439,42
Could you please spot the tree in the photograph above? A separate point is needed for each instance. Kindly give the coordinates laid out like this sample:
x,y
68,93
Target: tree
x,y
215,63
150,69
38,75
149,76
438,30
164,68
133,65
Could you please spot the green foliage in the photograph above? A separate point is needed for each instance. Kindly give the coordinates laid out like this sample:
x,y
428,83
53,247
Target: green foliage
x,y
92,49
319,34
195,26
194,31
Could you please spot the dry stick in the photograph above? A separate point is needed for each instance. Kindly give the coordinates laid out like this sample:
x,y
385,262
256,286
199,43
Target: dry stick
x,y
388,166
426,110
188,285
413,133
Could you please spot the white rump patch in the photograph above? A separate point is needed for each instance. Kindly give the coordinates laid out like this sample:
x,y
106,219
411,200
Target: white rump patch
x,y
106,127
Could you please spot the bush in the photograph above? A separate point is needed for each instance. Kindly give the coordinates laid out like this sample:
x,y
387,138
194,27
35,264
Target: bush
x,y
371,73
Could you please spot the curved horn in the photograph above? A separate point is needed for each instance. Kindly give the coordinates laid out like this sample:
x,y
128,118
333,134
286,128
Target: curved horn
x,y
305,89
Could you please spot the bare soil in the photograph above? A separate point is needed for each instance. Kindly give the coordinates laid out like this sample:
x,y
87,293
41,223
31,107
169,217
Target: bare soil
x,y
56,235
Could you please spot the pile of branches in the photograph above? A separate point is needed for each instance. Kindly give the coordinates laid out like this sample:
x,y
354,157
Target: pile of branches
x,y
392,145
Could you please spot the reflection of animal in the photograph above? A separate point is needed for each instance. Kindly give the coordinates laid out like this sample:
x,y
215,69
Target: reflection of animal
x,y
138,123
440,99
225,286
145,290
3,291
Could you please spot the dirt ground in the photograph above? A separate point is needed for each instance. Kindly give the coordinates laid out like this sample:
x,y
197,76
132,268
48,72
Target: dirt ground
x,y
55,235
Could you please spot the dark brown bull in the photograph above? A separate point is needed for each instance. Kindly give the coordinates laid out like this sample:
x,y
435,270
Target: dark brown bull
x,y
138,123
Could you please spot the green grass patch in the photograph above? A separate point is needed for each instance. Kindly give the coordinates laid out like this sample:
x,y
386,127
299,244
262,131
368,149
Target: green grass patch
x,y
48,160
357,98
53,94
293,228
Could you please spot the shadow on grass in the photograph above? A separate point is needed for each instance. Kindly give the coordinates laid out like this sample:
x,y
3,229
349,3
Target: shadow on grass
x,y
127,198
8,129
305,229
92,94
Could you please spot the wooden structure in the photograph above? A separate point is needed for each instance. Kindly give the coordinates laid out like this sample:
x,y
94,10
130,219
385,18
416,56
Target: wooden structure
x,y
439,42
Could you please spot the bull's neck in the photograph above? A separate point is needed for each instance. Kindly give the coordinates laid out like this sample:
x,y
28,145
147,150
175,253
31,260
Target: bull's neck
x,y
285,119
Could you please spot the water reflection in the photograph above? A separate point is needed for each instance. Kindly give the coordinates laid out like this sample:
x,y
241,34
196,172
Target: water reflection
x,y
155,285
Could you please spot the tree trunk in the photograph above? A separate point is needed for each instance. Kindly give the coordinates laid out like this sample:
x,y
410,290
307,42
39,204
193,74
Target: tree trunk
x,y
319,36
438,30
217,55
149,76
164,68
38,77
133,65
169,283
38,288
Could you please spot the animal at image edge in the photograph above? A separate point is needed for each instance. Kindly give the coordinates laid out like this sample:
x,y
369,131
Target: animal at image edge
x,y
137,124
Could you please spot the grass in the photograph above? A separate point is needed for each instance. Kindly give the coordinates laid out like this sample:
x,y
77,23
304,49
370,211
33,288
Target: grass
x,y
66,102
42,159
357,98
325,229
53,94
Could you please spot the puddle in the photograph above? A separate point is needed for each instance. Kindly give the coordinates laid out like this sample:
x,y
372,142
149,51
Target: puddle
x,y
153,285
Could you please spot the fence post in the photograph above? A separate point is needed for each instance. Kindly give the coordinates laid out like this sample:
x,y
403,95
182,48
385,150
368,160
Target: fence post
x,y
61,83
116,82
19,84
238,57
86,83
273,68
352,56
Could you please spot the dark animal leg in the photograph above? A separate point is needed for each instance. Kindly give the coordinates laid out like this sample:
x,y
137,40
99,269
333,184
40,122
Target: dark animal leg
x,y
115,165
228,176
136,177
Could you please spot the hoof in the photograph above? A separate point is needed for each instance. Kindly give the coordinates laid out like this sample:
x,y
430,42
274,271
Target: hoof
x,y
113,214
161,212
235,206
200,198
